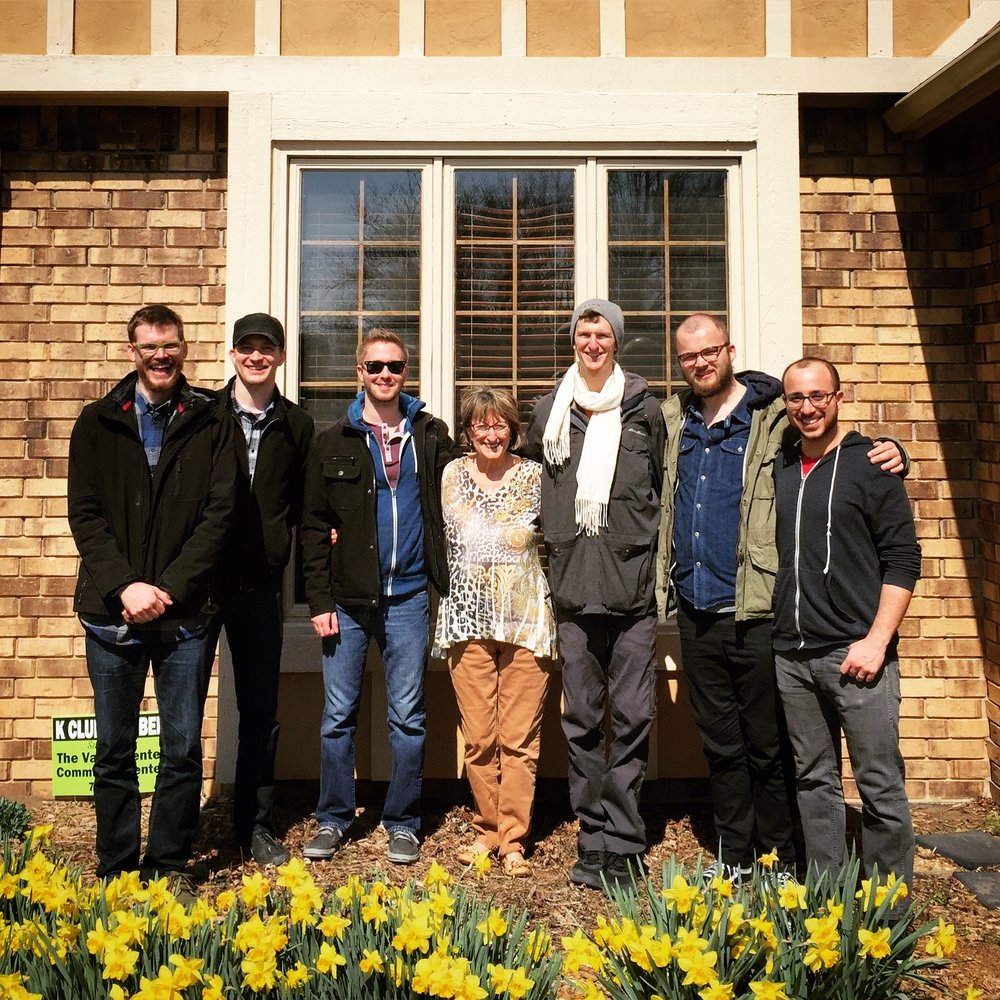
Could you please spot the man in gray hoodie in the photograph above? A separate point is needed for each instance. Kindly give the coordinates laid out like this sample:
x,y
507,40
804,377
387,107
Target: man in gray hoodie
x,y
848,560
601,437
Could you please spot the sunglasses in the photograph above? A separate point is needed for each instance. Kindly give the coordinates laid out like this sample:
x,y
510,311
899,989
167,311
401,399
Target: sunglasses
x,y
374,367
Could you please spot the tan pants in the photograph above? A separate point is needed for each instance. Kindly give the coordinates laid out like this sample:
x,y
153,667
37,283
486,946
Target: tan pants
x,y
500,690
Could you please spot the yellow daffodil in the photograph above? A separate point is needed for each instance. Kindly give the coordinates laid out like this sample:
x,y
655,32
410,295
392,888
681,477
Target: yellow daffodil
x,y
187,970
293,873
768,990
971,993
717,991
493,925
371,962
436,876
792,896
297,975
482,864
896,888
333,925
943,942
259,969
351,888
874,944
13,986
212,988
225,901
680,895
119,960
699,967
255,891
770,859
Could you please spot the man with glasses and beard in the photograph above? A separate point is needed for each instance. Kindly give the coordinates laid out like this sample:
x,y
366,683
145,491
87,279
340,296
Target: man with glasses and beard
x,y
716,566
151,471
374,477
848,560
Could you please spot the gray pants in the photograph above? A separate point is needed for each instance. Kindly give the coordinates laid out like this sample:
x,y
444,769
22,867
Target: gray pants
x,y
608,666
820,703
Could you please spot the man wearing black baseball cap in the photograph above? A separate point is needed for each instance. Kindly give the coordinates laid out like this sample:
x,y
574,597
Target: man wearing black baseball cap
x,y
272,450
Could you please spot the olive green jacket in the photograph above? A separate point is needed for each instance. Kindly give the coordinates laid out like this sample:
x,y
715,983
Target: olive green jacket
x,y
757,555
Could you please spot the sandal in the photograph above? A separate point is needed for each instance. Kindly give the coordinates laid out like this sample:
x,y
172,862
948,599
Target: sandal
x,y
516,865
467,855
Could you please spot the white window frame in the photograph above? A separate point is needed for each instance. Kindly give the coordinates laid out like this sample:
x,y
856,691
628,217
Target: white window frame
x,y
437,238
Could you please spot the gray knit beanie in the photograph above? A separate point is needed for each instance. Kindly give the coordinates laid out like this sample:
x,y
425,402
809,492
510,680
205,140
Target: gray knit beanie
x,y
611,312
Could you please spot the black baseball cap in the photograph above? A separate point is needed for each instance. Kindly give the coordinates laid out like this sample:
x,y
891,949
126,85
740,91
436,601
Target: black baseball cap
x,y
262,325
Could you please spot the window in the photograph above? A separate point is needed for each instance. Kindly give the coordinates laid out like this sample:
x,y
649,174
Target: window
x,y
478,265
359,267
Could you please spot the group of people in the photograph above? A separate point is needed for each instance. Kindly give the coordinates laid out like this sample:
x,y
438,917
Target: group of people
x,y
783,542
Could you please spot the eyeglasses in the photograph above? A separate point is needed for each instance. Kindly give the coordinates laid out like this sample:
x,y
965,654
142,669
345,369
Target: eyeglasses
x,y
171,347
375,367
690,358
500,429
819,400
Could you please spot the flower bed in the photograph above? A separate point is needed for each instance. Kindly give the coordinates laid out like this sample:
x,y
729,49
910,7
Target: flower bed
x,y
829,939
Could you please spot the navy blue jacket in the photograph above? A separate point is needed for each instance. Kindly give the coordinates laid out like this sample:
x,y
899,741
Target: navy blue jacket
x,y
341,492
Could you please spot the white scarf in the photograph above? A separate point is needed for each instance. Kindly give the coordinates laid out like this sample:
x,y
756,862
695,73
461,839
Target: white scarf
x,y
600,443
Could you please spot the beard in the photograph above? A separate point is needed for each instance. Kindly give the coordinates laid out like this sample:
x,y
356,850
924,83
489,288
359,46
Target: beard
x,y
161,386
722,383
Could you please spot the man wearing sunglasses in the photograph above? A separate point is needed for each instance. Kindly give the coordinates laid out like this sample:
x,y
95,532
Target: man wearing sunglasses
x,y
374,478
151,472
272,444
848,560
716,566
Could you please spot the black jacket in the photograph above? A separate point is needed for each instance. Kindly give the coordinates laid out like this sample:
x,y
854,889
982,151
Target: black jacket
x,y
842,532
268,511
170,530
614,571
340,493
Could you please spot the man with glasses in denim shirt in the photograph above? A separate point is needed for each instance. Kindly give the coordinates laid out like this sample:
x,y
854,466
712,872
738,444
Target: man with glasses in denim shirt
x,y
716,566
150,501
374,477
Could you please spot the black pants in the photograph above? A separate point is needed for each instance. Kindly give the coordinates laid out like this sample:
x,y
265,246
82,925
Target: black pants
x,y
253,623
729,667
608,666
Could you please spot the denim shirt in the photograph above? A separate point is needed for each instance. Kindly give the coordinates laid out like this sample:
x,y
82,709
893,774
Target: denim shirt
x,y
707,506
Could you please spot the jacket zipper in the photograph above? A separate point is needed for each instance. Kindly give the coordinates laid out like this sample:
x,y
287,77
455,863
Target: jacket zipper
x,y
798,522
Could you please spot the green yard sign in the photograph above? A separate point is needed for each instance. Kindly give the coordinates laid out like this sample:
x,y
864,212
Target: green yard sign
x,y
74,744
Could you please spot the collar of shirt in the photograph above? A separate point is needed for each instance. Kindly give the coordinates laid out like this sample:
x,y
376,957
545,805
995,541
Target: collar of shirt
x,y
144,408
252,415
740,413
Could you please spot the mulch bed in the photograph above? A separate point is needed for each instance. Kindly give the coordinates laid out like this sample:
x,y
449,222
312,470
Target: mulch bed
x,y
683,831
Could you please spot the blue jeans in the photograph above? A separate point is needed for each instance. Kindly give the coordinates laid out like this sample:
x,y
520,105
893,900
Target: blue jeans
x,y
181,672
399,625
820,702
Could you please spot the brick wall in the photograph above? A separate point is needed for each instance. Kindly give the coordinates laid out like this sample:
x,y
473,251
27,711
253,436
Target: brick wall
x,y
103,209
985,279
885,267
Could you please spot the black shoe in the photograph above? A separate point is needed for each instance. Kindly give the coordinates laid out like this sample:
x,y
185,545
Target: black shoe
x,y
404,848
587,870
623,871
265,850
324,845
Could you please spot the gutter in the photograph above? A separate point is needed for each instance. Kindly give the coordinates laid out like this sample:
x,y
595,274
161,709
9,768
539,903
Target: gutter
x,y
963,83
